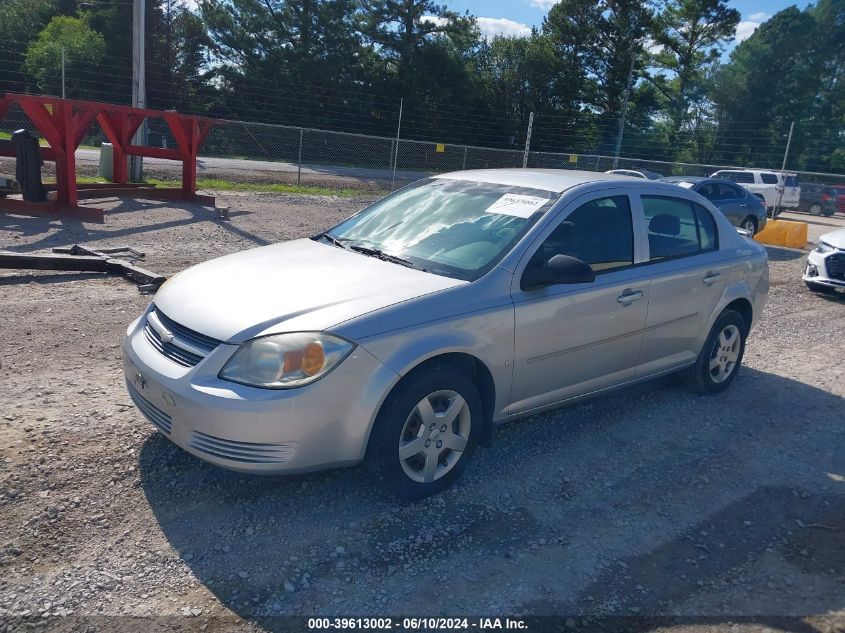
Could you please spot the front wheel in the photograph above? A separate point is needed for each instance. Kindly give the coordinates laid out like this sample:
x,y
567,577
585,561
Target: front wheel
x,y
720,357
815,209
426,431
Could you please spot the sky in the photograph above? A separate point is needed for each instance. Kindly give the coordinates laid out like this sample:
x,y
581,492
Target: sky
x,y
516,17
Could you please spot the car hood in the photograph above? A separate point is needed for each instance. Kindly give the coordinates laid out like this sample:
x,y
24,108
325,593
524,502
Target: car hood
x,y
835,239
301,285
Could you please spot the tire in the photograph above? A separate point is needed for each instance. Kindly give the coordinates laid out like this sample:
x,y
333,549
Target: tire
x,y
705,378
816,209
820,288
749,224
399,422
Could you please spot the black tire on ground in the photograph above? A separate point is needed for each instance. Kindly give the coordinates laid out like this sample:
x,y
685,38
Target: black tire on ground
x,y
820,288
749,224
698,377
383,447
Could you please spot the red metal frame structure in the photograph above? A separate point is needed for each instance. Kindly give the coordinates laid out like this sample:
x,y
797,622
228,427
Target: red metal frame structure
x,y
64,123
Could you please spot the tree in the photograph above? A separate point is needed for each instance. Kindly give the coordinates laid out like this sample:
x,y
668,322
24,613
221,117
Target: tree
x,y
601,44
266,46
20,23
690,35
179,44
84,52
402,30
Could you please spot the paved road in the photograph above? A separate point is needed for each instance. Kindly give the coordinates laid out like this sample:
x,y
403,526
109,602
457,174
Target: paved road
x,y
217,166
817,226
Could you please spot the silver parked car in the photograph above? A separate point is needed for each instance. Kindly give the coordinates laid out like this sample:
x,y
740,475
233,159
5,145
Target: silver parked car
x,y
403,335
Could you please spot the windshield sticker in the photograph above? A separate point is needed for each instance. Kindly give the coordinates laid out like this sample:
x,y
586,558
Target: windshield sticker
x,y
517,205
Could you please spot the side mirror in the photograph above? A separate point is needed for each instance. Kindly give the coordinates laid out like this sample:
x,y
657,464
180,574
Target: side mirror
x,y
560,269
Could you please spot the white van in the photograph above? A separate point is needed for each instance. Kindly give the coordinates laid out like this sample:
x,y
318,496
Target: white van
x,y
766,185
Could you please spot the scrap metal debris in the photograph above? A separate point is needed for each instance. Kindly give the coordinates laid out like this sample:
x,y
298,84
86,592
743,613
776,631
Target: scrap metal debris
x,y
84,259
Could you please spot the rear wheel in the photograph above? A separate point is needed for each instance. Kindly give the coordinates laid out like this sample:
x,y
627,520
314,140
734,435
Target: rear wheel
x,y
749,224
426,431
720,357
820,288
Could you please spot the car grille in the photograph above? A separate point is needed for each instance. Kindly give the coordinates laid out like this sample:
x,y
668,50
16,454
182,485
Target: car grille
x,y
246,452
180,344
156,416
835,265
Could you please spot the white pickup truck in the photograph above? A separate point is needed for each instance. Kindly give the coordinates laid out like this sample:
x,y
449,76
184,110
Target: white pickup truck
x,y
766,185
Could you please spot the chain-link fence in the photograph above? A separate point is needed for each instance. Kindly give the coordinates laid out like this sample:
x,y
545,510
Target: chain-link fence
x,y
247,152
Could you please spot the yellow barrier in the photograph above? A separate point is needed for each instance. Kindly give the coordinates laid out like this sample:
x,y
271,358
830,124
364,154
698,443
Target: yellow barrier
x,y
783,233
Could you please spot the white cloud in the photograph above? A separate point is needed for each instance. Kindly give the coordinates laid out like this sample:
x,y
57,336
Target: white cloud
x,y
490,27
543,4
745,28
434,19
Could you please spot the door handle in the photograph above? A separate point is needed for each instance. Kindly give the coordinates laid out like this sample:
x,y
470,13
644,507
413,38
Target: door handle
x,y
743,205
629,296
710,277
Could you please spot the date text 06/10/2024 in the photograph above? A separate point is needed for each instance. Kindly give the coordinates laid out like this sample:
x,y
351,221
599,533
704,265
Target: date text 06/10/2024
x,y
417,624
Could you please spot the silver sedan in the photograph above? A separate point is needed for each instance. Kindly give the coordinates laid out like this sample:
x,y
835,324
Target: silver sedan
x,y
405,334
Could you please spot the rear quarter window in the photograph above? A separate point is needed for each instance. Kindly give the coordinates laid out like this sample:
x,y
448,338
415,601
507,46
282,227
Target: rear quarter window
x,y
769,179
791,181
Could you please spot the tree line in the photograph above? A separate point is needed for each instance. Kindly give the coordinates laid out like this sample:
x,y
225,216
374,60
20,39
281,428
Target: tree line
x,y
345,65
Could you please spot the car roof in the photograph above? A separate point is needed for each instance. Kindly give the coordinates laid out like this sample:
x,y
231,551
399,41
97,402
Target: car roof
x,y
556,180
754,171
693,179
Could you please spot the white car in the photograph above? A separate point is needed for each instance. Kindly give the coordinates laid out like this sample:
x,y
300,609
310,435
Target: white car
x,y
636,173
766,185
825,270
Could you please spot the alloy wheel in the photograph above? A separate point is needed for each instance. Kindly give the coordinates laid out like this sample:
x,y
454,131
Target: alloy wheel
x,y
748,225
434,436
725,354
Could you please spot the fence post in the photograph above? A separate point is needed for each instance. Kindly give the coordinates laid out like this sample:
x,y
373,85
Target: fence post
x,y
396,155
528,140
464,166
776,209
299,168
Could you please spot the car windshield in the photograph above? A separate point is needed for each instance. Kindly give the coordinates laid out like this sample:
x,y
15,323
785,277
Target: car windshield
x,y
456,228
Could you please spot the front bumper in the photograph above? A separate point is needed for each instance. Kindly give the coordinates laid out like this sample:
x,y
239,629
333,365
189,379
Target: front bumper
x,y
322,425
822,270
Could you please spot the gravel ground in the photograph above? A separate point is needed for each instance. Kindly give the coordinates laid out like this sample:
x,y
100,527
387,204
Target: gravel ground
x,y
714,512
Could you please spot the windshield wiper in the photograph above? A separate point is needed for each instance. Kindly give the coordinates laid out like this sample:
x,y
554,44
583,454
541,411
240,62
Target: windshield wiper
x,y
335,241
374,252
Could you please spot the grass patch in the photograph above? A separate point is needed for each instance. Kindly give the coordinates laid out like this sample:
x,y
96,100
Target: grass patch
x,y
227,185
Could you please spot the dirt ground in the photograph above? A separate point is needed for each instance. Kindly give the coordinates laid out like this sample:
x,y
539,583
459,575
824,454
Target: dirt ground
x,y
654,506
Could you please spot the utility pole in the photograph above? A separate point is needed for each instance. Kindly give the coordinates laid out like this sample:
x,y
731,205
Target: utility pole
x,y
528,140
396,154
63,72
624,112
782,185
139,89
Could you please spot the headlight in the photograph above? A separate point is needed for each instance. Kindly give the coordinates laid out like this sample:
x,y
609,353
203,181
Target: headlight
x,y
823,248
284,361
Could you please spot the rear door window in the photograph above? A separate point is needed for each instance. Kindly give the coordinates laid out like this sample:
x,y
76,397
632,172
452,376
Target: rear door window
x,y
769,179
730,192
677,228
